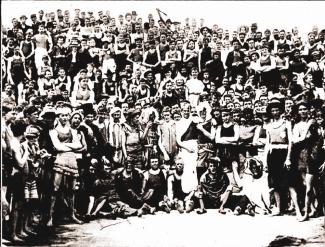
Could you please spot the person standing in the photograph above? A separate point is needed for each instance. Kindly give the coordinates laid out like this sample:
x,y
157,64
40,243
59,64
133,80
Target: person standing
x,y
278,150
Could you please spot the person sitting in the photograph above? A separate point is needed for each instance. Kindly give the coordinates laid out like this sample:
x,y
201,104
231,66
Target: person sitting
x,y
154,188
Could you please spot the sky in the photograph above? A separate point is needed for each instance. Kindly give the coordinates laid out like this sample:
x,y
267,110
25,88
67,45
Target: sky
x,y
228,15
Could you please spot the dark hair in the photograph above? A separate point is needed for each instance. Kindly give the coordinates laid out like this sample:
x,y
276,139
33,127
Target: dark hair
x,y
18,127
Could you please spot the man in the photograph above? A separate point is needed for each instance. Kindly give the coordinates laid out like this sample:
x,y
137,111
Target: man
x,y
169,97
115,130
43,41
59,54
129,184
205,54
24,27
216,68
167,136
235,61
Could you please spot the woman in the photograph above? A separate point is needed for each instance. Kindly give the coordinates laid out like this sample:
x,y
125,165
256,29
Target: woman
x,y
66,142
186,138
278,150
207,127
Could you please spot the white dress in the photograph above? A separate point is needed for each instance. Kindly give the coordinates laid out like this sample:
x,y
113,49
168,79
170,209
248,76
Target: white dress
x,y
189,177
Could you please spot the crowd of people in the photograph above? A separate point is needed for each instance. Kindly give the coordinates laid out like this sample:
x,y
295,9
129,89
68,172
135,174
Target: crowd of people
x,y
117,117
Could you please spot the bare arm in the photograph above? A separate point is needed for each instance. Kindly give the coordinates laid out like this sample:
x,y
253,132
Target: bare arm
x,y
59,146
19,157
170,192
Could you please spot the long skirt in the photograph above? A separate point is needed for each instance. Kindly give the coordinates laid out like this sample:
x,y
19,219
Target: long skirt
x,y
189,178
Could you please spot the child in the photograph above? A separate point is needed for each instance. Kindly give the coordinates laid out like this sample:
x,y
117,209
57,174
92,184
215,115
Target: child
x,y
32,171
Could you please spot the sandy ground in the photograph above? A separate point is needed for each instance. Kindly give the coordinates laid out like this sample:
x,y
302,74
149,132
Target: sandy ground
x,y
174,229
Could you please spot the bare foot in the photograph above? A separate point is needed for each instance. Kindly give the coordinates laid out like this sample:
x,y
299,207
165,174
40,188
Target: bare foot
x,y
16,239
75,220
312,213
23,234
49,223
301,218
30,232
276,212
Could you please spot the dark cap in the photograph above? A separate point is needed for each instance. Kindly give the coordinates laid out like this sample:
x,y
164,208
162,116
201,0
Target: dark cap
x,y
33,16
133,112
87,109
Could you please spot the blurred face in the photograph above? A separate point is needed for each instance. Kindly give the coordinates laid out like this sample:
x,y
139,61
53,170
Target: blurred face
x,y
116,115
288,105
225,117
275,112
169,87
129,167
212,168
203,114
263,100
248,104
319,117
179,165
167,116
64,118
303,111
186,112
135,119
125,107
84,83
191,45
61,72
193,111
311,38
240,79
154,164
11,116
195,73
76,120
89,118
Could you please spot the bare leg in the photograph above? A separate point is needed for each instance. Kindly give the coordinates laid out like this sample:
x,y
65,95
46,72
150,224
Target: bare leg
x,y
15,215
294,198
277,210
91,204
224,198
57,183
309,191
71,196
99,206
